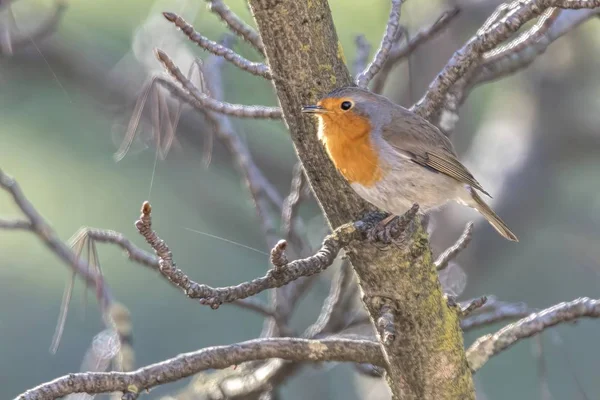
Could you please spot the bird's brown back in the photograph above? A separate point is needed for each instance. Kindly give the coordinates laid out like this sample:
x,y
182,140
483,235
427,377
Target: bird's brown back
x,y
416,138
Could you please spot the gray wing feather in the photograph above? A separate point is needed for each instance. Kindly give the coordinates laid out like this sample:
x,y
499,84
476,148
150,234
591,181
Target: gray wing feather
x,y
426,145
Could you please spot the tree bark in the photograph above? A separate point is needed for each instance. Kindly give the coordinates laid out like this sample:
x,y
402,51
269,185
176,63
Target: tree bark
x,y
425,354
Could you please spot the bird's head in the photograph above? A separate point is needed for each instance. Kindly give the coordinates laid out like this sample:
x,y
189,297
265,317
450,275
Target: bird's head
x,y
349,111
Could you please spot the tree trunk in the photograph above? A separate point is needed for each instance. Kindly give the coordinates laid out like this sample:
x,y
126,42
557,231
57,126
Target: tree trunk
x,y
426,358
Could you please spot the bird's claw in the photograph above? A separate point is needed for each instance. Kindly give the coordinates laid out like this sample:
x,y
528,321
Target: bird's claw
x,y
382,232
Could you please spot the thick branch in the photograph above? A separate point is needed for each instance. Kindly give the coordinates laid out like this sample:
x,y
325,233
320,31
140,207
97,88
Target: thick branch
x,y
217,357
489,345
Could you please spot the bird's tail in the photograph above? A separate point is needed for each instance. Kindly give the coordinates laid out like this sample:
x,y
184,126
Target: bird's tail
x,y
492,217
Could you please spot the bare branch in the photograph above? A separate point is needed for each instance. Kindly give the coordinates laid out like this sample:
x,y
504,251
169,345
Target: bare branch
x,y
489,345
15,224
236,25
526,38
292,202
134,253
332,306
277,277
451,252
278,257
400,52
521,57
217,357
472,306
363,49
257,306
142,257
203,101
391,34
511,61
494,311
486,39
48,236
261,190
258,69
538,354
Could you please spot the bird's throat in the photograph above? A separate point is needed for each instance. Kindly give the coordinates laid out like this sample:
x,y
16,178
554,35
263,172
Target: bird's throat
x,y
353,154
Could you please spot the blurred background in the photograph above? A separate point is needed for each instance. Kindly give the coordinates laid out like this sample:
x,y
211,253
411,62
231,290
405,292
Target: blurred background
x,y
65,101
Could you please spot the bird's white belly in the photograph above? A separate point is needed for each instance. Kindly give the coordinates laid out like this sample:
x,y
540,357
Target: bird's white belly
x,y
407,183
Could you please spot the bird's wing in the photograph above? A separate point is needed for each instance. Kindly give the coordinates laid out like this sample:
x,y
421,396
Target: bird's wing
x,y
424,144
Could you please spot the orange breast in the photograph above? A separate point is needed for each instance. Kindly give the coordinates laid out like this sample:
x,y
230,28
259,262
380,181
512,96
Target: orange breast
x,y
348,143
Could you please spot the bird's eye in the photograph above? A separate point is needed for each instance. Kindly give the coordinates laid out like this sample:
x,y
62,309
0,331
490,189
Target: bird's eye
x,y
346,105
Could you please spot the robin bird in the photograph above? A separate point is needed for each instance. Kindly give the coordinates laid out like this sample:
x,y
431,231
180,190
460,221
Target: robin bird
x,y
394,158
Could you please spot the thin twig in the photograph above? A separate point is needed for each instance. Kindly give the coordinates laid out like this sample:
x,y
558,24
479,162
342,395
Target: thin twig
x,y
511,61
236,25
292,202
490,345
468,57
275,278
451,252
43,30
133,252
472,305
522,56
332,309
203,101
147,259
363,49
15,224
542,370
264,196
494,311
525,39
218,357
48,236
262,191
401,52
391,32
258,69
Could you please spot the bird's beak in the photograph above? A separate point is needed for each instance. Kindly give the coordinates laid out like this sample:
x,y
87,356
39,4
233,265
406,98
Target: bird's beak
x,y
314,110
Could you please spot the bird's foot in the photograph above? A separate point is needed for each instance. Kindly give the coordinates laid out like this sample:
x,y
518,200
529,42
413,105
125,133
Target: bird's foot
x,y
389,230
381,232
